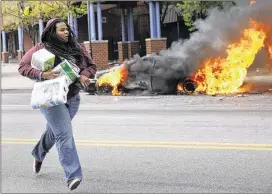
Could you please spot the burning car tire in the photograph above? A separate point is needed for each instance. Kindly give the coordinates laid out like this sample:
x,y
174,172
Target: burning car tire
x,y
189,86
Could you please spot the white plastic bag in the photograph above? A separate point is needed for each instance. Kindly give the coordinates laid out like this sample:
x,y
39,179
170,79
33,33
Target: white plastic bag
x,y
43,60
50,92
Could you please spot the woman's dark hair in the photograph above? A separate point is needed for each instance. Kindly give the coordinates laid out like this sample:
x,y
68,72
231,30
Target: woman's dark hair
x,y
69,50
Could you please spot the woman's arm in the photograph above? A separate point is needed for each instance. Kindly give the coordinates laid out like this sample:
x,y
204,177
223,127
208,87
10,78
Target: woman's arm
x,y
90,68
25,68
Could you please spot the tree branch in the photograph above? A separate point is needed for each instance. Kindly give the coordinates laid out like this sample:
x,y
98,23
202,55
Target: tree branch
x,y
64,3
48,4
12,15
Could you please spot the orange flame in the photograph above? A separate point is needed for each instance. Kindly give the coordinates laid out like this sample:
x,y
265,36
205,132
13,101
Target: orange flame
x,y
179,87
114,79
222,76
269,50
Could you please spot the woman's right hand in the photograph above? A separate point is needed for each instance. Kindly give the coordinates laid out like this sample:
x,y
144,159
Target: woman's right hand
x,y
49,75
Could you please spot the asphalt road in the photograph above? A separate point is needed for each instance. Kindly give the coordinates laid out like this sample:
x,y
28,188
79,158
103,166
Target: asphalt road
x,y
147,144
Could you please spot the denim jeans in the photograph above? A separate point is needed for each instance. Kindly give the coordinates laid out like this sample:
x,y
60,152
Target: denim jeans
x,y
59,131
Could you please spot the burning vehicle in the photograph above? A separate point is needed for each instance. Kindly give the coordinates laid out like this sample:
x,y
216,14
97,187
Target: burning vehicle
x,y
145,75
215,60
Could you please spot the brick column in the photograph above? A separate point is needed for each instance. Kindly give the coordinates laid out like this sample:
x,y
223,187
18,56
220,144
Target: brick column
x,y
5,57
133,48
100,53
122,51
155,45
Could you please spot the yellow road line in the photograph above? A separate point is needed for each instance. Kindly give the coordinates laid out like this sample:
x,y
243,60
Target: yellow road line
x,y
157,146
149,142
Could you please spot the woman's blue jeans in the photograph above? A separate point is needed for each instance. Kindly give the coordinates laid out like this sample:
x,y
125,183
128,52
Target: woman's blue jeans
x,y
59,131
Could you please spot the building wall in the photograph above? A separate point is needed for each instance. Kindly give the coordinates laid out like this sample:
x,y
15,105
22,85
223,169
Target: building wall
x,y
12,39
174,31
27,42
13,42
82,29
112,28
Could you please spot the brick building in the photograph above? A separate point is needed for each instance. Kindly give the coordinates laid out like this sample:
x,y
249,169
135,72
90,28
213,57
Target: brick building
x,y
172,29
112,27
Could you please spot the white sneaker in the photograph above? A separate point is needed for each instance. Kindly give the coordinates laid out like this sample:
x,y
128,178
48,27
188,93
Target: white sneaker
x,y
73,183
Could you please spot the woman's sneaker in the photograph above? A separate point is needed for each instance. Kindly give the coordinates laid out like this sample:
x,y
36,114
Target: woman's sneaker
x,y
73,183
37,166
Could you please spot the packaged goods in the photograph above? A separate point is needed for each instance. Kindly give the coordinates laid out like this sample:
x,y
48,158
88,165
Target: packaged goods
x,y
50,92
68,69
43,60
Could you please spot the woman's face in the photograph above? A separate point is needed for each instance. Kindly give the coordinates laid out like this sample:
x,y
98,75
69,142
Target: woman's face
x,y
62,31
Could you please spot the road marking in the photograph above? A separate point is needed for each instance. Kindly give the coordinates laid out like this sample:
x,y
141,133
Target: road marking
x,y
151,142
154,144
160,146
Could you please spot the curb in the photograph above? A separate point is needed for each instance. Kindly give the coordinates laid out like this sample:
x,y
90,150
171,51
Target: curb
x,y
23,90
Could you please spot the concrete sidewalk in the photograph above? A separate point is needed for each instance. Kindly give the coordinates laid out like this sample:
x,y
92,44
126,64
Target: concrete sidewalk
x,y
12,80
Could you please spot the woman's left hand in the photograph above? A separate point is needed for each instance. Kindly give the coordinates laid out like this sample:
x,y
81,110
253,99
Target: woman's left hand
x,y
84,81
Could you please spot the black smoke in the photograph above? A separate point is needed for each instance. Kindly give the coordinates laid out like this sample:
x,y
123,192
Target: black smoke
x,y
220,29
